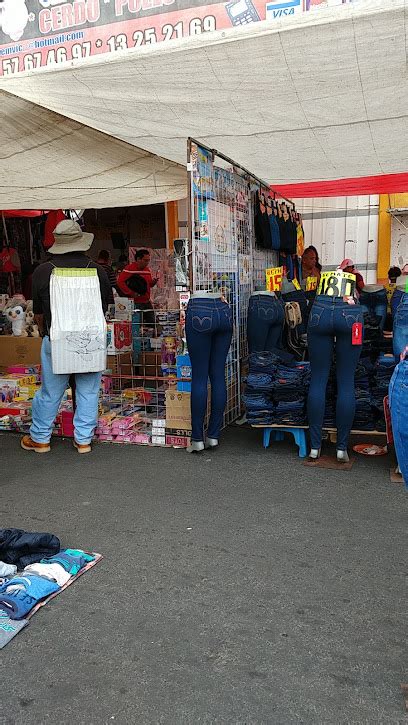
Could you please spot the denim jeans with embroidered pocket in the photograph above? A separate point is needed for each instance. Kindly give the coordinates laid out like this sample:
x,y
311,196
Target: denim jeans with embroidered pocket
x,y
265,323
209,327
329,331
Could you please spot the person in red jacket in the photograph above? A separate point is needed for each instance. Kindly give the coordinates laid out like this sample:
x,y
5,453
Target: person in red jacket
x,y
136,281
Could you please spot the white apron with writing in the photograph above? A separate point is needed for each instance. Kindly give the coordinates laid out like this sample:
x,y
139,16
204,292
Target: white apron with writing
x,y
78,326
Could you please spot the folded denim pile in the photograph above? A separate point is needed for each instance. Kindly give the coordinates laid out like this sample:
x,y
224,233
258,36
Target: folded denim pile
x,y
275,393
289,394
329,420
364,417
257,398
373,338
382,374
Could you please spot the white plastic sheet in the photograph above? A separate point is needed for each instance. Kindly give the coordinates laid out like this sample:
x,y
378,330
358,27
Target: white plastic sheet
x,y
51,162
321,97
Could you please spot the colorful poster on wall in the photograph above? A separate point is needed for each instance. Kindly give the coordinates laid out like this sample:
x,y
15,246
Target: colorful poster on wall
x,y
202,212
222,243
244,269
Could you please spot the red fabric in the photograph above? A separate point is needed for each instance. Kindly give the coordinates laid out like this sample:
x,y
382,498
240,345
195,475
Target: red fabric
x,y
22,213
9,260
54,217
385,184
126,273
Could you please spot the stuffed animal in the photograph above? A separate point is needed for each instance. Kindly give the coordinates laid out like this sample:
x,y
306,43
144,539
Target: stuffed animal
x,y
13,18
31,328
14,312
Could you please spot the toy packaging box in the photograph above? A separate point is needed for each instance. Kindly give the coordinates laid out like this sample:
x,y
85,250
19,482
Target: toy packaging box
x,y
124,309
119,336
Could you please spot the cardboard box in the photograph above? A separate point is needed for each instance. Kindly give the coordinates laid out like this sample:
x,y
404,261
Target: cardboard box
x,y
178,438
123,308
178,412
184,371
19,350
119,336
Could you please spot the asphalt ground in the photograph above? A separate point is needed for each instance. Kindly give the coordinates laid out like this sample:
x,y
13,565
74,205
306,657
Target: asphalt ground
x,y
237,586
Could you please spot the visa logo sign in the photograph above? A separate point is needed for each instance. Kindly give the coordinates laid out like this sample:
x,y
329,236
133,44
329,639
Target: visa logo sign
x,y
283,9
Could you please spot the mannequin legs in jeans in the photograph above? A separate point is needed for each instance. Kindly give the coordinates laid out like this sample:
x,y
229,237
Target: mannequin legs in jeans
x,y
375,303
209,333
265,323
398,398
400,328
330,327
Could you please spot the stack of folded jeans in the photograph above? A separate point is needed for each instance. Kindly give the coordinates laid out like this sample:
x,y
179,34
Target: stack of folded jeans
x,y
363,418
289,393
329,420
373,337
383,371
266,362
257,397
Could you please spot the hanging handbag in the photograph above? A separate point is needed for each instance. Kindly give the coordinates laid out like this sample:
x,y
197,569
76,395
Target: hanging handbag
x,y
293,315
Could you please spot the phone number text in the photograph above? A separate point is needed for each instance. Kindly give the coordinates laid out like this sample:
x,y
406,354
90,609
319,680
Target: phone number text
x,y
122,41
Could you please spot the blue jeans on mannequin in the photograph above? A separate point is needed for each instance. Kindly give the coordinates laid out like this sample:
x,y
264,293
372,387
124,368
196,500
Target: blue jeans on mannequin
x,y
330,327
374,303
47,401
265,323
400,327
209,328
398,399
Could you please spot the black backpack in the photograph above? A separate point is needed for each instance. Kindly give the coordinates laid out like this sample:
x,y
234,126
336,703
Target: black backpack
x,y
137,284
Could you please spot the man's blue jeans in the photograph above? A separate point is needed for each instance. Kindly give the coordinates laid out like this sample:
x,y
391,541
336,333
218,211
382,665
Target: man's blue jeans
x,y
209,332
47,401
330,326
398,400
400,327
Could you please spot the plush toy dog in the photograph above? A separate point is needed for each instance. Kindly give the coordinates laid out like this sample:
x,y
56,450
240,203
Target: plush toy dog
x,y
31,328
15,312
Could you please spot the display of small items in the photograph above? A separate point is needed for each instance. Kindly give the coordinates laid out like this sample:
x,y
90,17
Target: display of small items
x,y
133,406
18,385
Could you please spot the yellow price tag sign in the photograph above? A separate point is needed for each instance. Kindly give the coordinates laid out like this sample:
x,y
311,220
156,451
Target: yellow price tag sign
x,y
337,284
296,284
311,284
274,276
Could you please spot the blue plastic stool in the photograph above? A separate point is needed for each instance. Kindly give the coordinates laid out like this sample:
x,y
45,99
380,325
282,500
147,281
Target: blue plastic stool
x,y
277,434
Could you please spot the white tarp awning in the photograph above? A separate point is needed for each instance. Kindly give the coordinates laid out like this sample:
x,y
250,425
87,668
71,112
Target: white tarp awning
x,y
318,97
48,161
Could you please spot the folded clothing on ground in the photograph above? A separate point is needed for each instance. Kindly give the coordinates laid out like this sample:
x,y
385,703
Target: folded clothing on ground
x,y
22,547
7,569
72,560
54,572
21,593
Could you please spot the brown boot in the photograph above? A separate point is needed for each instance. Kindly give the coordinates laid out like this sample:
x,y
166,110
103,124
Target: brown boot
x,y
29,445
82,447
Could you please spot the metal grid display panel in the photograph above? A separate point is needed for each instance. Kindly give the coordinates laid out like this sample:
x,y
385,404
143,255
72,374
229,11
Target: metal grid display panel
x,y
224,257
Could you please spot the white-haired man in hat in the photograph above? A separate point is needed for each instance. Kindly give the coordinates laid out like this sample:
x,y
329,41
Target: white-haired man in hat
x,y
68,251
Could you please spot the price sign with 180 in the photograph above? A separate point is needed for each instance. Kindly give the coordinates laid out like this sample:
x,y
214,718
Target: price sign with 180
x,y
337,284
